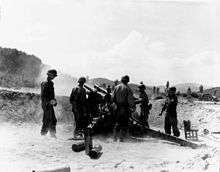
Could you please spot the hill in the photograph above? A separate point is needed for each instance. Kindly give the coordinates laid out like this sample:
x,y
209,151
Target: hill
x,y
18,69
101,82
19,107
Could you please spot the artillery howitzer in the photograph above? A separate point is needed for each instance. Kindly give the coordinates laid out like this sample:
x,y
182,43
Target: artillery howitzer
x,y
104,123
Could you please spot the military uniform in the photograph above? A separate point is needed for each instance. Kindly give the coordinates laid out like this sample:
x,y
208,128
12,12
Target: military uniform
x,y
171,115
78,101
144,108
123,98
49,118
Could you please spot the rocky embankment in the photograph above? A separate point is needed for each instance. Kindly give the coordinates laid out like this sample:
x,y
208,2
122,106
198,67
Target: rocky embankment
x,y
19,107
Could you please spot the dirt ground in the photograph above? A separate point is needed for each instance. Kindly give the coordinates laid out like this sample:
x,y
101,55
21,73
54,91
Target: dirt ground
x,y
23,149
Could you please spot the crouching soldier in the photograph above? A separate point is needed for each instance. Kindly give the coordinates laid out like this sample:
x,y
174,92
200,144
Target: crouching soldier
x,y
123,98
171,113
78,101
144,105
48,101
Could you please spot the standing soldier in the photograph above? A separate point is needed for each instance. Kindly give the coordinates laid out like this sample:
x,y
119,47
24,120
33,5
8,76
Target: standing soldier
x,y
78,101
123,98
48,101
144,105
171,113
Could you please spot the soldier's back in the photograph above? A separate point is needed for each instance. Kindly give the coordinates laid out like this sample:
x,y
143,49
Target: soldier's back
x,y
121,93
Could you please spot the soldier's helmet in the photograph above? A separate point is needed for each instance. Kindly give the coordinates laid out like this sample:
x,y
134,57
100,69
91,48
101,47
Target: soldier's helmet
x,y
125,79
82,80
142,87
52,72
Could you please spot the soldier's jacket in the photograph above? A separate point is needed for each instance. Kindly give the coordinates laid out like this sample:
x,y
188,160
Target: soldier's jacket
x,y
144,101
171,105
47,93
123,95
78,96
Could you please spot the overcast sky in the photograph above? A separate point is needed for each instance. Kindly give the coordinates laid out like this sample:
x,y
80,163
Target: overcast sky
x,y
152,41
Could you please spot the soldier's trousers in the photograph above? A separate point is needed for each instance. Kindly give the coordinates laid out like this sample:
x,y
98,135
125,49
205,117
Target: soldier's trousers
x,y
144,118
49,121
121,121
81,119
171,122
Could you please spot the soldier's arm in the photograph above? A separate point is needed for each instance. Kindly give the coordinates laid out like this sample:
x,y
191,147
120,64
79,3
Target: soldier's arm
x,y
43,90
44,93
73,96
176,100
163,108
146,98
131,100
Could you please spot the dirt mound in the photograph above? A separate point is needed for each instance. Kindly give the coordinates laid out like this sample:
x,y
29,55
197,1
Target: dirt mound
x,y
19,107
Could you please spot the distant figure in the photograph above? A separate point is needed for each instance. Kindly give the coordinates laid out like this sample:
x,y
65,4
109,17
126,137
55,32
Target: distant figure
x,y
48,101
171,113
109,89
157,90
123,98
154,90
167,87
189,94
201,89
78,101
144,105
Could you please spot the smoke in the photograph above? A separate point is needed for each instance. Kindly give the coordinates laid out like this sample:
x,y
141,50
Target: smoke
x,y
63,83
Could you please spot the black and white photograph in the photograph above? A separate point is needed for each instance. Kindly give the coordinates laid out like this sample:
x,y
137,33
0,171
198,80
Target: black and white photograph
x,y
109,86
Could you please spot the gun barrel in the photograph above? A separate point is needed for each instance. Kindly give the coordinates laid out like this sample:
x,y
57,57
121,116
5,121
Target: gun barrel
x,y
88,87
92,90
100,89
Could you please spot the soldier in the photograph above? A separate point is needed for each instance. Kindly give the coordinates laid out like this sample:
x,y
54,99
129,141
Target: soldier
x,y
123,98
144,105
171,113
78,101
48,101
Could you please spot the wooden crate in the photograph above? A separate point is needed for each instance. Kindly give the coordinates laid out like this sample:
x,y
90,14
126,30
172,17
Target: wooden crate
x,y
190,134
